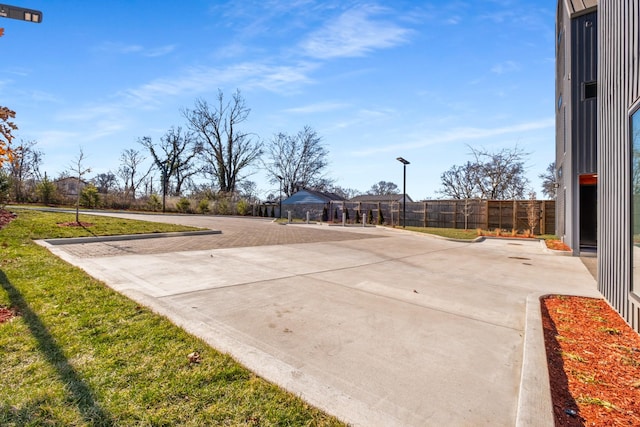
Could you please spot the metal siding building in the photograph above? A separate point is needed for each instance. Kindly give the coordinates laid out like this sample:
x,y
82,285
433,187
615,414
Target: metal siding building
x,y
619,98
576,123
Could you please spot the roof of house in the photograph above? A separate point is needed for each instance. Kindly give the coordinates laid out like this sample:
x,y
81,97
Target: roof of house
x,y
580,6
305,196
380,198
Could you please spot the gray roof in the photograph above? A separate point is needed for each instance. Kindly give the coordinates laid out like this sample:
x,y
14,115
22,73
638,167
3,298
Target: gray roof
x,y
580,6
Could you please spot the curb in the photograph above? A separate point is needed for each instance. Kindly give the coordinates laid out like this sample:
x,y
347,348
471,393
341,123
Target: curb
x,y
95,239
535,407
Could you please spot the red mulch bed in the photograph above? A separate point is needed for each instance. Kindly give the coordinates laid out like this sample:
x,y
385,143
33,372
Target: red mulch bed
x,y
594,363
6,217
557,245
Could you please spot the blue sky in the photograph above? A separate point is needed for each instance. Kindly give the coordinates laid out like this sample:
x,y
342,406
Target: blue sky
x,y
419,79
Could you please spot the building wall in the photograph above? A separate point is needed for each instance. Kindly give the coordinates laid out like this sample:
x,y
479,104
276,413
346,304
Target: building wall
x,y
576,115
618,95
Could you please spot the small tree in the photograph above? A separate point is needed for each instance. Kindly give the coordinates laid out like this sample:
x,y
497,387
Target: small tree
x,y
370,217
154,203
260,211
380,217
357,217
533,213
78,170
325,214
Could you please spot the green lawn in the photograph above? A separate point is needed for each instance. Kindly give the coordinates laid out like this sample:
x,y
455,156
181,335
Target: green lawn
x,y
452,233
81,354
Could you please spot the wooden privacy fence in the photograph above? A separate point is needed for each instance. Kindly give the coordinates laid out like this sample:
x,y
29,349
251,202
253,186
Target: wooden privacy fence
x,y
464,214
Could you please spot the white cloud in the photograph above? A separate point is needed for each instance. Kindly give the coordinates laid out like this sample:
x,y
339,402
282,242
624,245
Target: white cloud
x,y
463,134
321,107
505,67
126,49
354,33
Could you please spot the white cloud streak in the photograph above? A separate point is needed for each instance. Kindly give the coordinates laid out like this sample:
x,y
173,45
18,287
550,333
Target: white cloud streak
x,y
463,134
354,33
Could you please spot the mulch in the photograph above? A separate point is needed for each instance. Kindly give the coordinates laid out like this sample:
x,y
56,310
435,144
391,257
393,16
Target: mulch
x,y
6,217
594,363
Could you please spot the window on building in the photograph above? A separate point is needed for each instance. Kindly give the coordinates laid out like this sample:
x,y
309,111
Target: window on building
x,y
635,198
590,90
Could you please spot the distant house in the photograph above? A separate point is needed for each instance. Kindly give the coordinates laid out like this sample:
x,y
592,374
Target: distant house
x,y
386,198
311,201
69,186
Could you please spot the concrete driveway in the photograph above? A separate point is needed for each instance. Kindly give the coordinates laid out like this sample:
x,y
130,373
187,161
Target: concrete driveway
x,y
379,327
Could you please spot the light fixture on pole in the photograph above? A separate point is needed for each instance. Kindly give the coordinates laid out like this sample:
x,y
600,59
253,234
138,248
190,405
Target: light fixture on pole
x,y
404,190
20,13
280,199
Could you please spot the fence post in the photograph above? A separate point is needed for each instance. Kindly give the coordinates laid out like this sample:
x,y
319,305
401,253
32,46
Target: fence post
x,y
426,221
543,219
486,222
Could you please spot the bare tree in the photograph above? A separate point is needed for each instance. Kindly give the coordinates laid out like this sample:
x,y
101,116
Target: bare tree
x,y
297,160
24,169
131,171
383,188
501,174
78,170
492,175
105,182
185,148
226,150
549,181
173,157
459,182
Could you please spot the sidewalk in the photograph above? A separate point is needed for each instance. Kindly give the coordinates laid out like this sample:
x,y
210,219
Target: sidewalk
x,y
375,326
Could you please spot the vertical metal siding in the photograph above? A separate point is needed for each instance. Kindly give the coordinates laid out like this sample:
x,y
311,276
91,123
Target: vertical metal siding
x,y
584,69
618,89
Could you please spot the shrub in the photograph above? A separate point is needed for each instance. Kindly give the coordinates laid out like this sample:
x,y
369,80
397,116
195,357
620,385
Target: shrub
x,y
380,217
325,214
260,210
243,207
154,203
183,205
4,188
46,191
370,217
357,217
222,207
273,212
89,196
203,206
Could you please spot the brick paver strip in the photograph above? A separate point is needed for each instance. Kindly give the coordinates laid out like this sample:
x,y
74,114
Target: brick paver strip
x,y
247,234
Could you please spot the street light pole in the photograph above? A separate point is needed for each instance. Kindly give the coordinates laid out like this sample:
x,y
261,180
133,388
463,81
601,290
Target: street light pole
x,y
404,190
280,179
20,13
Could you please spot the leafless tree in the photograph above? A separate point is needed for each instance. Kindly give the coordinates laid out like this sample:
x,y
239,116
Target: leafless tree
x,y
549,181
78,170
132,172
298,161
459,182
105,182
383,188
173,157
492,175
226,150
24,169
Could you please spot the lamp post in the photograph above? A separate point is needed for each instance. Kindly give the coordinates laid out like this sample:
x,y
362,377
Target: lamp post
x,y
404,190
20,13
280,200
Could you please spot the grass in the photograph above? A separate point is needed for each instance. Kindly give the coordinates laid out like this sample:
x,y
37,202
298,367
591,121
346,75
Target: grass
x,y
81,354
452,233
